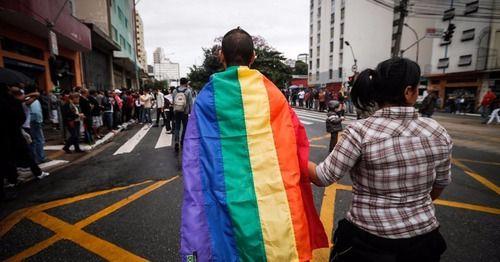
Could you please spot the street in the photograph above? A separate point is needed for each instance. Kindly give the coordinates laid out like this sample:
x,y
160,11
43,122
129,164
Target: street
x,y
122,201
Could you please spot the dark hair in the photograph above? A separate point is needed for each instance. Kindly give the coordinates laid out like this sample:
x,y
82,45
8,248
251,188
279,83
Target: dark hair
x,y
184,81
237,47
386,84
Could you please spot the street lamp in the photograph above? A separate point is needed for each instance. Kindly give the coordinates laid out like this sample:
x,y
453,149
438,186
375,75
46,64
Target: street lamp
x,y
416,36
355,66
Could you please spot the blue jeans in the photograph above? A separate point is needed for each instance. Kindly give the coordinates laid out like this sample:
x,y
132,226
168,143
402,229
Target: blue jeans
x,y
38,142
146,115
107,118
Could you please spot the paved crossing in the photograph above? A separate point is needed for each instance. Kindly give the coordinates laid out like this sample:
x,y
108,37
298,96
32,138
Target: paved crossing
x,y
164,140
308,117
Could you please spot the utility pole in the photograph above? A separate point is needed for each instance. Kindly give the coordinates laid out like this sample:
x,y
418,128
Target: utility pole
x,y
403,4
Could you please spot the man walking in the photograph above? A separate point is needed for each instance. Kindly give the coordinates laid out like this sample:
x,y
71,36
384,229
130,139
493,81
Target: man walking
x,y
183,99
486,102
247,196
36,131
160,107
146,110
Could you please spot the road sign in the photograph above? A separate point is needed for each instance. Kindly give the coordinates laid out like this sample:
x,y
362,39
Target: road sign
x,y
53,43
434,32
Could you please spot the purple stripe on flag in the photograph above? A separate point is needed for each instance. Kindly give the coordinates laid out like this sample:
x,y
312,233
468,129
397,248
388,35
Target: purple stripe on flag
x,y
195,236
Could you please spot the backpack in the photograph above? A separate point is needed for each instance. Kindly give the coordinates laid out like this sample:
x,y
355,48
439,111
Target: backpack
x,y
180,101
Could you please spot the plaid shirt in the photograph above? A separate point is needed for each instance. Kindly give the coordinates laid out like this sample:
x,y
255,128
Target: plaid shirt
x,y
394,158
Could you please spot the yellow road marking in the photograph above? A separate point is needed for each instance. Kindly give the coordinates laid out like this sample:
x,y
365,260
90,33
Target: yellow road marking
x,y
327,216
34,249
476,176
90,242
15,217
62,230
479,208
318,146
319,138
478,162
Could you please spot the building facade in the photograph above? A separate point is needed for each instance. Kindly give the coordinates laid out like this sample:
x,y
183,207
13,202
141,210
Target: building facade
x,y
125,70
97,63
164,69
332,23
141,49
467,65
24,42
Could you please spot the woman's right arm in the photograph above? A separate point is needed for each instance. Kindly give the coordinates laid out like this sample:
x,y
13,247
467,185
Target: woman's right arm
x,y
341,160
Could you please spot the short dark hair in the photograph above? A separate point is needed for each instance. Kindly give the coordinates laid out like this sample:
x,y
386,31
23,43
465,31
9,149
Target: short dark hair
x,y
237,47
386,84
184,81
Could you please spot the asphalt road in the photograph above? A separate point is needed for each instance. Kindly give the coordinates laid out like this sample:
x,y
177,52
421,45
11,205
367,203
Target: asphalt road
x,y
122,202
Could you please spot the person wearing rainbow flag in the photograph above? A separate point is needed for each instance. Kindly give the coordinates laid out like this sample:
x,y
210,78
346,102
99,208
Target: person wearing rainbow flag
x,y
247,192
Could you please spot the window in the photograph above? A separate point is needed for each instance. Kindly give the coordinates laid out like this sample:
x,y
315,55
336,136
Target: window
x,y
311,17
449,14
319,25
310,52
331,61
332,18
114,33
310,40
331,32
317,76
122,42
333,5
312,3
319,38
465,60
471,7
125,21
342,13
341,43
311,29
341,58
310,65
443,63
342,29
330,73
310,76
319,12
317,63
468,35
340,72
317,50
331,46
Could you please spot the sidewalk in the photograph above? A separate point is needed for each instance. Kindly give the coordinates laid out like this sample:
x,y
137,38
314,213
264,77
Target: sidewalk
x,y
58,158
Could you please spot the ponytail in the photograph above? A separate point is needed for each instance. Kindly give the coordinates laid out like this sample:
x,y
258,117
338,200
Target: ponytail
x,y
364,89
385,86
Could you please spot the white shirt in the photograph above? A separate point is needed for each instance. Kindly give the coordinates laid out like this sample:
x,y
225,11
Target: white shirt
x,y
160,102
146,99
301,94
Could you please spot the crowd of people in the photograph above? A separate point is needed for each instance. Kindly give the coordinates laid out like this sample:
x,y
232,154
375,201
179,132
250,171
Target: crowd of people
x,y
84,115
315,98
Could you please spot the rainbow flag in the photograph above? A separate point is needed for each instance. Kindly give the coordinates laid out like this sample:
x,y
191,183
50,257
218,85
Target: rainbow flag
x,y
247,195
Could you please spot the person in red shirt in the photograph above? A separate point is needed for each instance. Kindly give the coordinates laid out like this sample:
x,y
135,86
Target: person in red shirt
x,y
485,108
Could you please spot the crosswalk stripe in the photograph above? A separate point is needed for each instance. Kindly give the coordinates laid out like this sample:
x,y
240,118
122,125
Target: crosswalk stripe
x,y
132,142
306,122
164,140
312,117
319,115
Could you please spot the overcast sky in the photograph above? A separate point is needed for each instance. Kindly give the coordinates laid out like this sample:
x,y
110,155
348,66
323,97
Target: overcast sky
x,y
183,27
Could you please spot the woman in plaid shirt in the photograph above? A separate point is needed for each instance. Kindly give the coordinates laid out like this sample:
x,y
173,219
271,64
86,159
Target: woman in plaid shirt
x,y
398,163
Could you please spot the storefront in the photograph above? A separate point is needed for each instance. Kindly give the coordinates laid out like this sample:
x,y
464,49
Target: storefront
x,y
24,44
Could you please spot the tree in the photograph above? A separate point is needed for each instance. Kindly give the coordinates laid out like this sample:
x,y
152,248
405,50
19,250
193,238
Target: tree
x,y
269,62
300,68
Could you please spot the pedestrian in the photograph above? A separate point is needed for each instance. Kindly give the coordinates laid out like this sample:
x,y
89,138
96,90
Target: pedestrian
x,y
86,109
96,114
138,107
301,96
244,167
129,105
428,105
160,107
36,131
398,162
321,98
54,110
117,109
108,105
72,118
169,110
146,100
495,114
334,120
486,102
182,97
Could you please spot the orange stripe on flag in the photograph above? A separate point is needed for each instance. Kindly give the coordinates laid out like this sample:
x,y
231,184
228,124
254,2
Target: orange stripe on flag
x,y
286,149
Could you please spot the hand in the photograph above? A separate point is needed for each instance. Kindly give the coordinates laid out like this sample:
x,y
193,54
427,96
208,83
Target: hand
x,y
311,166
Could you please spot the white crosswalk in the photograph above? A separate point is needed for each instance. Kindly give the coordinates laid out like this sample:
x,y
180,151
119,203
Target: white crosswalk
x,y
164,140
308,117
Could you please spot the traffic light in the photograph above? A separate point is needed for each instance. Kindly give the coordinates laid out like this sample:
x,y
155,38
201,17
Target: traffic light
x,y
448,35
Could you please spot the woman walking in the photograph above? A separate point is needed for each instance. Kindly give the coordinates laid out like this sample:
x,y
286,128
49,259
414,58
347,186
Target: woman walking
x,y
398,162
